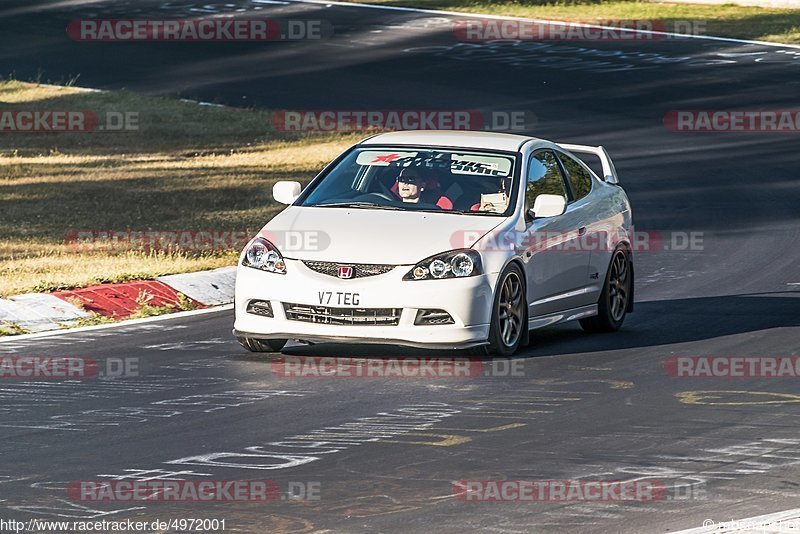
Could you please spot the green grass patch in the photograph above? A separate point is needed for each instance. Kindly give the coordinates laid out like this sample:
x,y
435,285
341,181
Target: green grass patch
x,y
146,309
92,320
9,329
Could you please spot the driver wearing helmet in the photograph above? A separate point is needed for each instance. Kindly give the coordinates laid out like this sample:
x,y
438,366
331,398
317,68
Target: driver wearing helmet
x,y
410,185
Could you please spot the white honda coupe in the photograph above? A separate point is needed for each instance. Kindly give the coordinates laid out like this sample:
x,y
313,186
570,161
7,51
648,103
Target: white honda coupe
x,y
440,240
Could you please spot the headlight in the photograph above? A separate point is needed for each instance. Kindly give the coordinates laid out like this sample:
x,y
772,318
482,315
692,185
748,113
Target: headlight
x,y
453,264
261,254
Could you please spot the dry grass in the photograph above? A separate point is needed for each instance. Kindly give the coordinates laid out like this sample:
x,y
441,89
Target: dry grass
x,y
187,167
726,20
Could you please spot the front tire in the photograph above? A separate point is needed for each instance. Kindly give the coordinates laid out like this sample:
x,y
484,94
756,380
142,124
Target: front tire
x,y
509,314
613,303
262,345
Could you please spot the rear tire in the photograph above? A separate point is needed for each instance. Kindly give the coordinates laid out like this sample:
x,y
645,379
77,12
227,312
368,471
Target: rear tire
x,y
262,345
509,324
614,299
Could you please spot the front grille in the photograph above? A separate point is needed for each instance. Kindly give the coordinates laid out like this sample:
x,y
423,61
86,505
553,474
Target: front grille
x,y
360,270
342,316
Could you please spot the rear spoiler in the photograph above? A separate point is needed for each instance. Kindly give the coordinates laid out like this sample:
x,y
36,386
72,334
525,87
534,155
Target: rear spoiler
x,y
609,172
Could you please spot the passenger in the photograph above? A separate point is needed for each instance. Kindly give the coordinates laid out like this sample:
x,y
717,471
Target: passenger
x,y
496,199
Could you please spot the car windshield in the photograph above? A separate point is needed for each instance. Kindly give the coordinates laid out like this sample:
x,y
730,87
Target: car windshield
x,y
441,180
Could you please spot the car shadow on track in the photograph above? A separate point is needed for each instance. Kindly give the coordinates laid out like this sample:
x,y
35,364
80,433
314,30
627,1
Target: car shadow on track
x,y
668,322
654,323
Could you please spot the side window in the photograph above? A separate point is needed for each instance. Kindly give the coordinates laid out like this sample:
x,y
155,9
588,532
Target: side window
x,y
580,181
544,177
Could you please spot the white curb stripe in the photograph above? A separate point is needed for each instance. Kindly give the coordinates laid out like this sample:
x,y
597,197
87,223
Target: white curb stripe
x,y
37,312
207,287
24,317
50,306
45,314
539,21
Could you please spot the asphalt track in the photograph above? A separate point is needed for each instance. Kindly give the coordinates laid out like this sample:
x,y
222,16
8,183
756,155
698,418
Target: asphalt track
x,y
585,407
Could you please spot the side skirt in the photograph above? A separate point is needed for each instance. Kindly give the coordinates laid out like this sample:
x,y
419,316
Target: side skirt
x,y
562,317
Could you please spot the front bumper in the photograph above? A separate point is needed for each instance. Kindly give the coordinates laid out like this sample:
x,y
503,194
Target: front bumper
x,y
467,300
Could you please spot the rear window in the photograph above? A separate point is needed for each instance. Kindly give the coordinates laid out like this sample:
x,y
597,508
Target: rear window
x,y
580,181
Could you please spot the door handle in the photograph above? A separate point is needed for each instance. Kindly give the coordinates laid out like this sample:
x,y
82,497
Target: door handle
x,y
582,230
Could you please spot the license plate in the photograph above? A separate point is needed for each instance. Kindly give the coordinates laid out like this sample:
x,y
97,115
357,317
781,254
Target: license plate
x,y
338,298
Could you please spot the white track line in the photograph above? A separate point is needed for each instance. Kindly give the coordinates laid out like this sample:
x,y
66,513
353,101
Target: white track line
x,y
130,322
786,521
539,21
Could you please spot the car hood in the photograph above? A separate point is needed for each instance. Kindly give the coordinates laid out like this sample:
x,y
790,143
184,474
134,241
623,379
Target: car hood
x,y
355,235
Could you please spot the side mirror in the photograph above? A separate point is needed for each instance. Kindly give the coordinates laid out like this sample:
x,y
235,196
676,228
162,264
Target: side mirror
x,y
548,206
286,192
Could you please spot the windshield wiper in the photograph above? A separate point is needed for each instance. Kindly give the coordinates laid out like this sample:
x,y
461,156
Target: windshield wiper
x,y
357,205
457,212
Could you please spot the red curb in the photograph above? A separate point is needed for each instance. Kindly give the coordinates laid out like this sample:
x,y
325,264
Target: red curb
x,y
119,300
